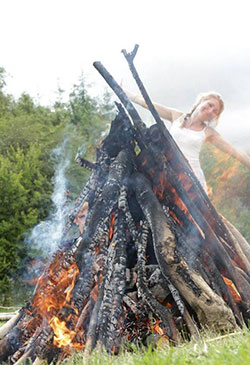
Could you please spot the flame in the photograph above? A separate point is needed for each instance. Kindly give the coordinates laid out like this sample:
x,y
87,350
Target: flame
x,y
175,217
94,292
209,191
111,228
54,291
234,292
159,191
72,272
226,169
186,181
54,287
157,328
62,335
154,325
160,188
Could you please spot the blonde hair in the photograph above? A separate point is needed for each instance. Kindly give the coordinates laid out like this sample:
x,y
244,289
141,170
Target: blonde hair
x,y
205,96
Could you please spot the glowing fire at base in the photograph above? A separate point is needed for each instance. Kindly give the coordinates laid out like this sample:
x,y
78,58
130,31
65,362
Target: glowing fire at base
x,y
157,328
154,326
63,336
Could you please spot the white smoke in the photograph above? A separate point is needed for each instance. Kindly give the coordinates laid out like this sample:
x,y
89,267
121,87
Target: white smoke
x,y
47,235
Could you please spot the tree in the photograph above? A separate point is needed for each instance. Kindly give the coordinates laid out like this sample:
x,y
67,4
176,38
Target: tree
x,y
229,185
24,193
87,123
29,133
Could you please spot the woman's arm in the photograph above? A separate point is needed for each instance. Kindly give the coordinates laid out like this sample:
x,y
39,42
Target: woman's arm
x,y
164,112
215,138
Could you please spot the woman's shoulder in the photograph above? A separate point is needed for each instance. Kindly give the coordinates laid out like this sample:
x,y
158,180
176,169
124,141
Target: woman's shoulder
x,y
178,118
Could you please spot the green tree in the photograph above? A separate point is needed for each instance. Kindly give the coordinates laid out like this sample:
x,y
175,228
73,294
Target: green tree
x,y
24,193
229,187
28,134
88,120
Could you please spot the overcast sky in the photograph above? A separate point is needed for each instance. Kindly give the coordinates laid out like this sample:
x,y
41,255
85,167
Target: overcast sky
x,y
186,47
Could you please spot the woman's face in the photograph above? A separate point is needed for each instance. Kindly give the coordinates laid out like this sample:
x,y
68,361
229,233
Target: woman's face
x,y
208,109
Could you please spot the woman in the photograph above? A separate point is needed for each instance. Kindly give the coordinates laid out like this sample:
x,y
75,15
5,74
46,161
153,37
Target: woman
x,y
191,130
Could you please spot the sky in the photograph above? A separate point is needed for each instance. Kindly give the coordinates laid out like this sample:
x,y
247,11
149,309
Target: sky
x,y
185,47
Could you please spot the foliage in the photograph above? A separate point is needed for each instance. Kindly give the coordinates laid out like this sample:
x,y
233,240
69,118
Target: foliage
x,y
28,134
229,185
88,121
24,192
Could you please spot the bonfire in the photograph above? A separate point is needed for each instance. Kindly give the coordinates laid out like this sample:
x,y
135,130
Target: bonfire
x,y
151,258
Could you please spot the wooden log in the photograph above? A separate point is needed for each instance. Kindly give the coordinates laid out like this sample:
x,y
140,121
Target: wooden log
x,y
16,335
10,343
93,324
92,187
241,245
39,361
160,311
23,359
209,307
7,316
9,325
116,323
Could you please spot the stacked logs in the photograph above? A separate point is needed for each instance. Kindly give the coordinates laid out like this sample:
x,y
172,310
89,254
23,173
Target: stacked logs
x,y
150,258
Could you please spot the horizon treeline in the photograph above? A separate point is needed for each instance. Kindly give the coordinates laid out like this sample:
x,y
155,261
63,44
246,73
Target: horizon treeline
x,y
29,133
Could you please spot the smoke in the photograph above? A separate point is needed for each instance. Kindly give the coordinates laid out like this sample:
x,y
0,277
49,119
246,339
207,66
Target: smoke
x,y
47,235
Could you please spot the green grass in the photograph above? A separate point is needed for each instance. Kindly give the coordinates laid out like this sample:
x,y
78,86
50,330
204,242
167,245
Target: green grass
x,y
4,310
211,349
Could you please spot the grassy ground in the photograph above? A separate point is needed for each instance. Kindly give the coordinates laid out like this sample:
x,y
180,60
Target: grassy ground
x,y
211,349
6,310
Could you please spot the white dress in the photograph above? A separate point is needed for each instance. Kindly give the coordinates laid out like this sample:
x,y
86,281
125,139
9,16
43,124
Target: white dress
x,y
190,143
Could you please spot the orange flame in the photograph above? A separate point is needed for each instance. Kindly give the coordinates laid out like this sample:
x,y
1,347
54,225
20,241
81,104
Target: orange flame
x,y
157,328
54,287
154,325
63,336
72,272
226,169
94,292
234,292
111,228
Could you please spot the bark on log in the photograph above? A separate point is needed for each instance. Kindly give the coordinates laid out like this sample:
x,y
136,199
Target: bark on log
x,y
9,325
209,307
7,316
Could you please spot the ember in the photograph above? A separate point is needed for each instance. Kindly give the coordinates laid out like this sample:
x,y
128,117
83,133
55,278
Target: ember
x,y
152,256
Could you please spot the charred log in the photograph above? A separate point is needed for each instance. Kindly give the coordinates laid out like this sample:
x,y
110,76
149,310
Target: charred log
x,y
198,294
